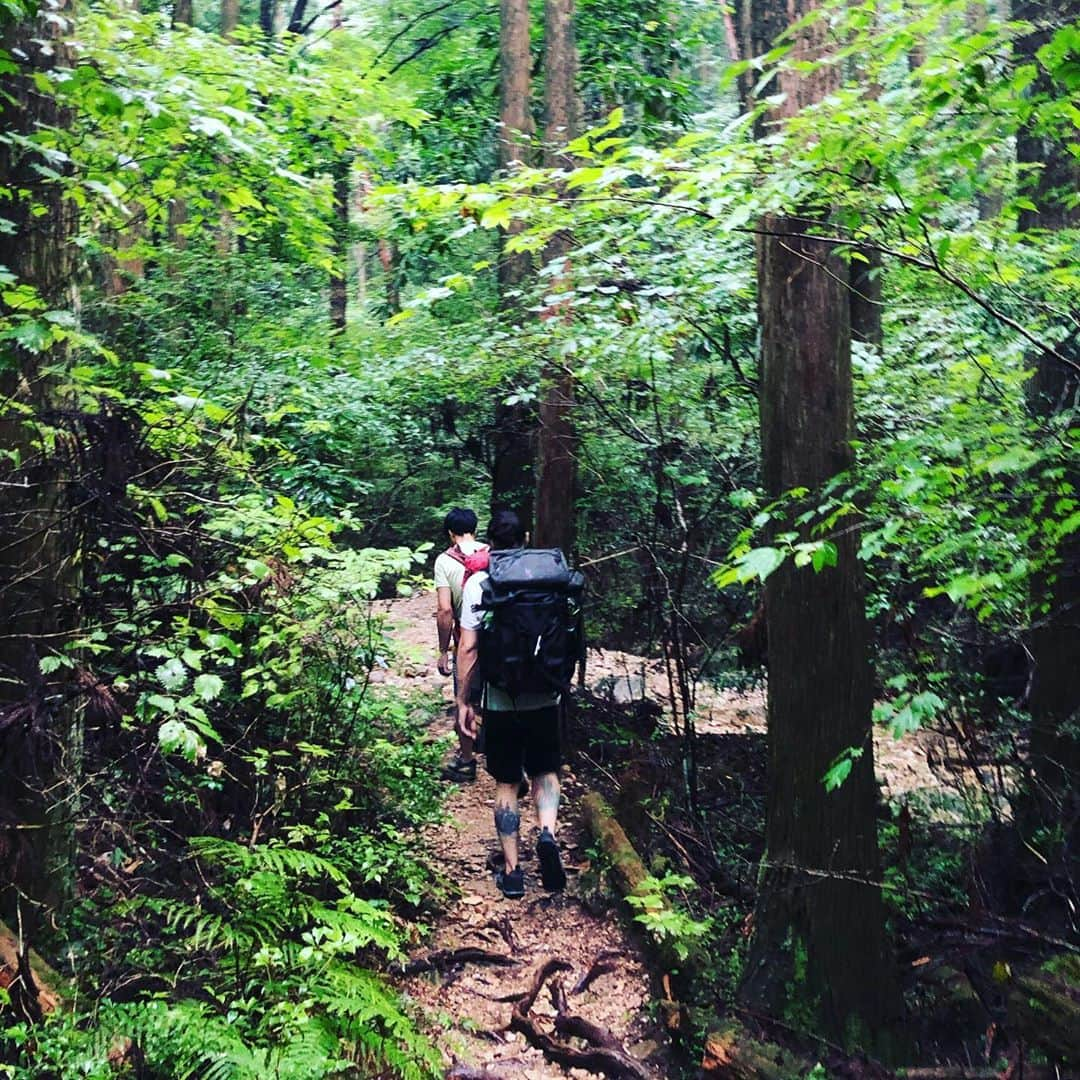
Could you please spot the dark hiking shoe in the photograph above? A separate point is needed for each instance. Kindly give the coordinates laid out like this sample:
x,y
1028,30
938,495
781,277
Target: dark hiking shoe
x,y
552,873
461,772
511,883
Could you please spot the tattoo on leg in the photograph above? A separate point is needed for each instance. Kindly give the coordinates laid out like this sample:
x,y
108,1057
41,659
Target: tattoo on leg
x,y
547,792
507,821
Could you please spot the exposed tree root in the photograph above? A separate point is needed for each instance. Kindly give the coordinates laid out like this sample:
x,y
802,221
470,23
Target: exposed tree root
x,y
604,964
604,1054
445,959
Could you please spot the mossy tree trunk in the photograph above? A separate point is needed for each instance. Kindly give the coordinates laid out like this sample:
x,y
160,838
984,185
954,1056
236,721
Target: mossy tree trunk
x,y
818,953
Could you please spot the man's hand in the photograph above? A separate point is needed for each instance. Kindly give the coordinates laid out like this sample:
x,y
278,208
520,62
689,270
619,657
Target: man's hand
x,y
467,723
444,665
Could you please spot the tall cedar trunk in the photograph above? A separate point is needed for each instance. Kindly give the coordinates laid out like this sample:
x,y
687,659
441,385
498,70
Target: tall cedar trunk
x,y
339,293
230,16
40,719
1054,388
556,455
515,121
513,474
183,13
819,925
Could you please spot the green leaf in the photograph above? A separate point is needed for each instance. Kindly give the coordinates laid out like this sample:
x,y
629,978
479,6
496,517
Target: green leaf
x,y
759,563
208,686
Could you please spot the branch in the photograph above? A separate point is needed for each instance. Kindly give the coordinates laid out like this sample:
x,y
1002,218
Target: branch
x,y
404,30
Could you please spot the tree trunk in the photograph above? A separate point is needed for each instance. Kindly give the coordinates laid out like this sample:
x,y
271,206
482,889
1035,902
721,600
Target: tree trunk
x,y
183,13
1054,389
388,259
339,293
230,17
267,17
40,719
513,472
515,123
866,307
557,440
819,930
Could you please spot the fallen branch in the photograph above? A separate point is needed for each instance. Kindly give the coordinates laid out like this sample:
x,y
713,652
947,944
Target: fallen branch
x,y
625,862
445,959
36,989
731,1053
961,1072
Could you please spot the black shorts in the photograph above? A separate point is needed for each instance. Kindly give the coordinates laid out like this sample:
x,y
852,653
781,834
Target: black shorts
x,y
519,741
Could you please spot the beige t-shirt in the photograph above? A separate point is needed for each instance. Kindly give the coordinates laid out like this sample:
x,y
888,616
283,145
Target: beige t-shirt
x,y
449,573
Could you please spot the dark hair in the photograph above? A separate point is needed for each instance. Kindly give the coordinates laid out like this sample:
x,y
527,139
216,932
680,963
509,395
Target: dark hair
x,y
505,530
460,521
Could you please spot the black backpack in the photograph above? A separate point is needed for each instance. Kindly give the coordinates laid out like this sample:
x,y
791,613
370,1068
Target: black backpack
x,y
532,635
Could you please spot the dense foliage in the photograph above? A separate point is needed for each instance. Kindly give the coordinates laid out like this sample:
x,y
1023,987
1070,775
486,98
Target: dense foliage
x,y
249,476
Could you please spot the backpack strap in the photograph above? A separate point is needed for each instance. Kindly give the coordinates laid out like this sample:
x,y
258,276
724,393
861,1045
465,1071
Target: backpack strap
x,y
479,560
456,554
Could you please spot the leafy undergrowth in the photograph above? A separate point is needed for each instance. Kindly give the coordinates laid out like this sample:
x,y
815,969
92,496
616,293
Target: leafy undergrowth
x,y
256,954
963,904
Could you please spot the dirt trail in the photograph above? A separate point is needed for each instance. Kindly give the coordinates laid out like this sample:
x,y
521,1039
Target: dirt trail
x,y
530,932
545,926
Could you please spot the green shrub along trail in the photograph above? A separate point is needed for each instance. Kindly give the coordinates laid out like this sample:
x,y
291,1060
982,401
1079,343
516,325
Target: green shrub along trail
x,y
765,312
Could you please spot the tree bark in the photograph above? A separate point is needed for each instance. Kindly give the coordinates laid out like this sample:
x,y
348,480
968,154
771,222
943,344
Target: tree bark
x,y
388,260
556,466
1054,389
339,292
183,13
267,17
515,124
40,720
819,929
230,17
513,473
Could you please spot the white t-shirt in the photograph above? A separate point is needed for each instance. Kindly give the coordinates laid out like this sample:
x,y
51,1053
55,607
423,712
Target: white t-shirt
x,y
449,573
494,698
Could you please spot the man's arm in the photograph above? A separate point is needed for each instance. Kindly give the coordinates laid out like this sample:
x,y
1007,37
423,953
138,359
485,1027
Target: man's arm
x,y
467,655
444,620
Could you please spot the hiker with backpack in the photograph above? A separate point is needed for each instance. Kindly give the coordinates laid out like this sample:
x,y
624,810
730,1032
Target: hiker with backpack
x,y
451,568
520,639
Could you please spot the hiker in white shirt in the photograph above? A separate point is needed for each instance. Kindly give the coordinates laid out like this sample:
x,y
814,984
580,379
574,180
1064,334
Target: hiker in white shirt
x,y
450,572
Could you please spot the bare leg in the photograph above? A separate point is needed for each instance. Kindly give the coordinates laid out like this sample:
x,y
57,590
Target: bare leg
x,y
507,822
546,796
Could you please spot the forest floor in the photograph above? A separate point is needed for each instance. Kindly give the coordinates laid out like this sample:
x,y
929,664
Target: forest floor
x,y
472,1001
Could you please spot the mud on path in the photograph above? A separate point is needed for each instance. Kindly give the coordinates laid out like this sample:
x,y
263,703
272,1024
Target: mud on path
x,y
472,1001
